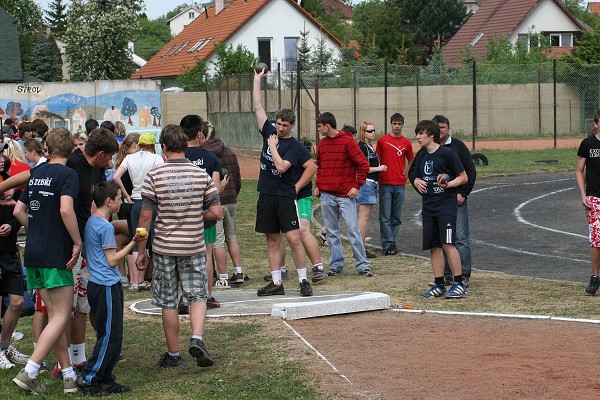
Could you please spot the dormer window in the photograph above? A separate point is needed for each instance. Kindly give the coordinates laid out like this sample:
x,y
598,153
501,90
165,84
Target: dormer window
x,y
192,15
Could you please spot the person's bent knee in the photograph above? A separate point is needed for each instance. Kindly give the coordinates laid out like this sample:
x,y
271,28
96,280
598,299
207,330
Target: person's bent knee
x,y
16,303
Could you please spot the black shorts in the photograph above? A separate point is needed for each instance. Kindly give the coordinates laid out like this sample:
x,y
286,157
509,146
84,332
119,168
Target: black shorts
x,y
276,214
125,214
438,230
11,281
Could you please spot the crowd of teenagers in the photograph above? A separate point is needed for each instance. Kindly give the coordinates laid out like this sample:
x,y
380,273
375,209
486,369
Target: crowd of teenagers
x,y
180,207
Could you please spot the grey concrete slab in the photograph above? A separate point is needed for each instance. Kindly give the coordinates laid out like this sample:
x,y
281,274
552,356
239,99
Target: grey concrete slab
x,y
237,303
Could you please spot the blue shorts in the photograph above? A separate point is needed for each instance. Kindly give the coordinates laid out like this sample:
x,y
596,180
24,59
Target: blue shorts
x,y
368,193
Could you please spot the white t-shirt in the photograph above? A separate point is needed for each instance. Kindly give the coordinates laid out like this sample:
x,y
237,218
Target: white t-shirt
x,y
138,164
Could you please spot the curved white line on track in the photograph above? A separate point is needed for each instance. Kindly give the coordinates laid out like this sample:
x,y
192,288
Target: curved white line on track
x,y
518,316
310,346
517,213
529,253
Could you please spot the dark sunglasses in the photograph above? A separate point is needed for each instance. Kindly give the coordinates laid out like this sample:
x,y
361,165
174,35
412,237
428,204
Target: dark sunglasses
x,y
370,130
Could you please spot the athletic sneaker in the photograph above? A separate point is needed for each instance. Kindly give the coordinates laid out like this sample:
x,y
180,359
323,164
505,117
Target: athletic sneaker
x,y
121,359
448,280
222,284
434,291
124,281
456,291
333,272
305,289
96,390
366,272
5,362
369,254
198,351
167,361
211,303
466,281
70,386
322,238
43,368
318,275
236,279
16,336
271,290
594,285
284,276
31,385
134,288
15,355
57,373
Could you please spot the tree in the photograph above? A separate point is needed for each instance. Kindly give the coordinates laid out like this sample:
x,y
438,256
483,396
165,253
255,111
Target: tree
x,y
500,51
192,79
155,115
322,57
97,35
56,17
588,49
304,48
378,28
29,21
129,108
46,61
152,37
232,61
327,15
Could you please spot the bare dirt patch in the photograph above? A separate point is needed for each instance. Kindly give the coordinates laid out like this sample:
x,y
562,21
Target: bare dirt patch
x,y
392,355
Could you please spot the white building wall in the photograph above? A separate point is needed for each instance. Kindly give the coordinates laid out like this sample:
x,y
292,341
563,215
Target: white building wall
x,y
546,17
277,20
178,23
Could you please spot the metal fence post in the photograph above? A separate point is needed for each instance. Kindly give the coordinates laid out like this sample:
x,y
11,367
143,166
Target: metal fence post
x,y
207,97
227,88
317,112
279,86
298,82
354,93
418,97
554,87
239,92
385,93
474,103
539,88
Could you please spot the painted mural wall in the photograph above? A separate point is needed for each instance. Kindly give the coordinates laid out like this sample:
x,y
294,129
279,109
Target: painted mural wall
x,y
136,103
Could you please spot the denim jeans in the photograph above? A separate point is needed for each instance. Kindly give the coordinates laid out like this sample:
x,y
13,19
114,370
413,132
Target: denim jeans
x,y
463,241
391,199
331,208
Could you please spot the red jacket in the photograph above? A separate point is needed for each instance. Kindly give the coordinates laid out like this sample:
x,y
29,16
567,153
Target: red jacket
x,y
341,165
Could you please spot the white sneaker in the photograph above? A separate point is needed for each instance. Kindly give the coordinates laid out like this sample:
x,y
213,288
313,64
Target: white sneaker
x,y
5,362
222,284
16,356
16,336
124,281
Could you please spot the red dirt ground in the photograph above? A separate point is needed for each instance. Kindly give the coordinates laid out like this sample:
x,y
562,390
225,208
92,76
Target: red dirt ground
x,y
394,355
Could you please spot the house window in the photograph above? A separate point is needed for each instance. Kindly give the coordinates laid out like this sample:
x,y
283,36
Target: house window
x,y
561,39
264,51
192,15
204,44
290,52
523,38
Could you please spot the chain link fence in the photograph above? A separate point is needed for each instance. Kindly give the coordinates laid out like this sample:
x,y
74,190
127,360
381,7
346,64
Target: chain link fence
x,y
553,100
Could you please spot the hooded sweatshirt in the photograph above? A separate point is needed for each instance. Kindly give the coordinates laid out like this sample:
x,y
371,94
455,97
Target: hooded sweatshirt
x,y
341,165
229,161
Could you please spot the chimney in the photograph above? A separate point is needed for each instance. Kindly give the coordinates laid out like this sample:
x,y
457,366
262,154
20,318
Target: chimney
x,y
218,6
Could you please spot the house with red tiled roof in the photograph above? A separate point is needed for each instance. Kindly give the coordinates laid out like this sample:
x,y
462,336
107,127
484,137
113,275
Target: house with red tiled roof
x,y
339,9
184,18
594,7
268,28
517,19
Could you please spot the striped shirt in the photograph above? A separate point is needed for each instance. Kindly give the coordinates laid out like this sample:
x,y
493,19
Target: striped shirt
x,y
179,190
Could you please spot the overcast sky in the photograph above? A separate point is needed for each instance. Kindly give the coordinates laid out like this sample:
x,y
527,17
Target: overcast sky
x,y
154,8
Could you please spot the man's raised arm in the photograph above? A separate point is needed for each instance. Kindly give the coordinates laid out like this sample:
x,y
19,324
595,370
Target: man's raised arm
x,y
259,111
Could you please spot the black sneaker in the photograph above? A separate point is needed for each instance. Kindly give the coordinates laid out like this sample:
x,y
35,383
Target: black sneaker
x,y
318,275
305,289
198,351
333,272
96,390
366,272
167,361
236,279
271,290
369,254
392,250
594,285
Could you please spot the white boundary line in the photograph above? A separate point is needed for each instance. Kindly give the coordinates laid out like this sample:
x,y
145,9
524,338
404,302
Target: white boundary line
x,y
310,346
518,316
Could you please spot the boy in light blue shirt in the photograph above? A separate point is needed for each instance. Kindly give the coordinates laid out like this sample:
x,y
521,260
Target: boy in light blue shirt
x,y
105,293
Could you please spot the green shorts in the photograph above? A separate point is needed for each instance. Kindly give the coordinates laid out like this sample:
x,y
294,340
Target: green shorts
x,y
305,207
210,234
48,278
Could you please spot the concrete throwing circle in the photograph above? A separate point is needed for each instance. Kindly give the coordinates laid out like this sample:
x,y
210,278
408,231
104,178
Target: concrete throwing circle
x,y
238,303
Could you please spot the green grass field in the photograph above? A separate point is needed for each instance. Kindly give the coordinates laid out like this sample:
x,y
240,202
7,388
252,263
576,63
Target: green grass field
x,y
258,358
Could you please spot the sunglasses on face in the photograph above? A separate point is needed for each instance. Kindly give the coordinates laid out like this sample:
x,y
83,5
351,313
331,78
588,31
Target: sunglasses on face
x,y
370,130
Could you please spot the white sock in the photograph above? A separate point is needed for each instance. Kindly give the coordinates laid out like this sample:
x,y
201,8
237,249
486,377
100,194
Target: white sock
x,y
318,266
174,353
237,270
222,277
276,275
199,337
301,274
68,373
77,353
32,369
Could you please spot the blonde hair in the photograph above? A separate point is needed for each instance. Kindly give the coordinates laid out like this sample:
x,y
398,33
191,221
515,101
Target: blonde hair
x,y
60,143
362,134
80,135
14,151
120,130
125,147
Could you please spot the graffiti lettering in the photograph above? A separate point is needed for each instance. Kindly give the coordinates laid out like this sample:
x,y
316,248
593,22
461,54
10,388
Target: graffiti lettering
x,y
29,89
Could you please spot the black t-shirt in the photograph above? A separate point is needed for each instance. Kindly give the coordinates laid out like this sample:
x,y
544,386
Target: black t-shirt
x,y
590,150
372,158
85,173
208,162
49,244
297,172
438,201
270,181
